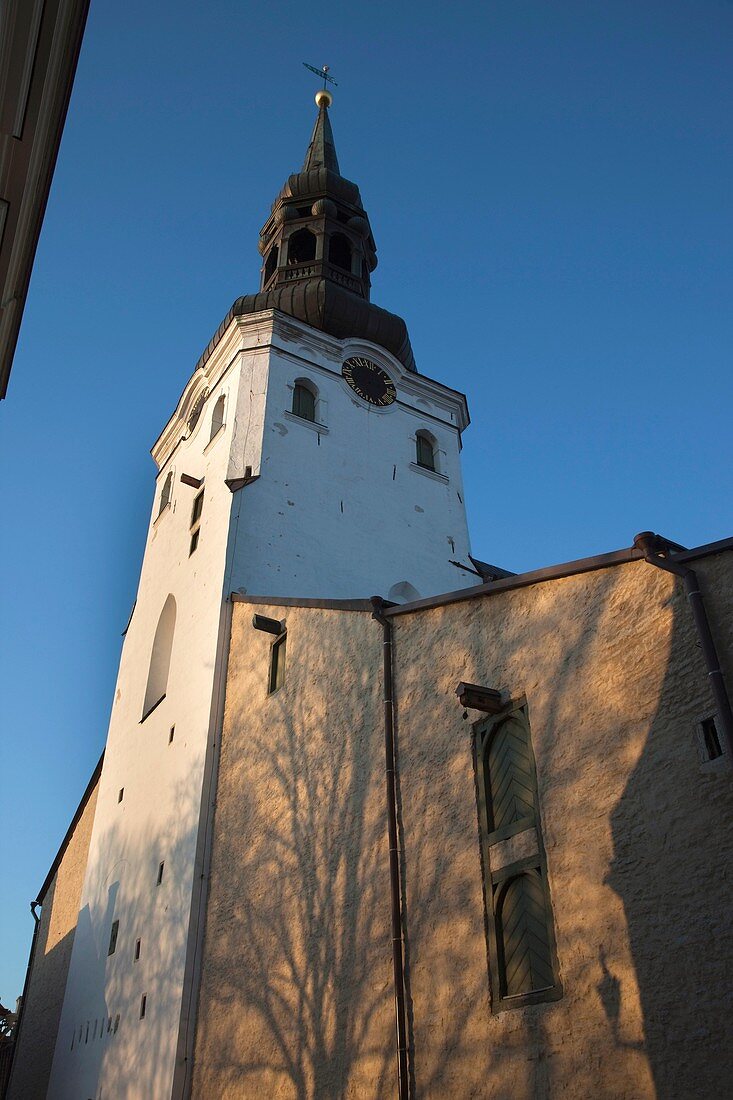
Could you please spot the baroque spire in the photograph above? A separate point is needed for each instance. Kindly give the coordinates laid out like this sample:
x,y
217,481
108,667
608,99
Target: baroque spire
x,y
318,252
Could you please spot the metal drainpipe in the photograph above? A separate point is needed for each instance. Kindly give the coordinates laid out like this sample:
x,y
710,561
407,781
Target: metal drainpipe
x,y
403,1083
24,995
652,547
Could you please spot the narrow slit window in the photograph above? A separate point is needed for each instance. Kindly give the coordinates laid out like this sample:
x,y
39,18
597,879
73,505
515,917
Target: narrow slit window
x,y
711,739
171,735
143,1005
121,795
113,937
137,950
161,868
277,664
165,492
195,526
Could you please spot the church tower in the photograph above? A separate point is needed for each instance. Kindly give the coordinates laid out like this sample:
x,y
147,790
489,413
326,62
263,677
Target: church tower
x,y
307,457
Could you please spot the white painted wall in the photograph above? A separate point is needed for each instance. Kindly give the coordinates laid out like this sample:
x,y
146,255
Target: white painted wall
x,y
342,510
337,511
158,818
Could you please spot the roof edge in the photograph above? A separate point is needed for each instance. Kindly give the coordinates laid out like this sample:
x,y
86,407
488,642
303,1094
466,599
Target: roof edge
x,y
295,601
69,832
551,573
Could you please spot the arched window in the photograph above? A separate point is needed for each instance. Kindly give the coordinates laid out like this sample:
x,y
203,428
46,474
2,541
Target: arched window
x,y
160,658
271,263
302,247
304,400
165,492
404,592
509,775
217,417
425,451
522,940
339,251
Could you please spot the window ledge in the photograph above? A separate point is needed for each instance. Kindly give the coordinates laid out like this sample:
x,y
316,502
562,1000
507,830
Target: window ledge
x,y
161,513
214,438
429,473
312,424
150,710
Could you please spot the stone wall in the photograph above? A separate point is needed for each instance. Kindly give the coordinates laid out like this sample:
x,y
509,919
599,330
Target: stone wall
x,y
638,837
45,993
296,994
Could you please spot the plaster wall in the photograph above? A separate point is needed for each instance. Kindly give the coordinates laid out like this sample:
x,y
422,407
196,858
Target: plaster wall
x,y
45,992
151,788
296,996
296,992
638,833
341,510
311,521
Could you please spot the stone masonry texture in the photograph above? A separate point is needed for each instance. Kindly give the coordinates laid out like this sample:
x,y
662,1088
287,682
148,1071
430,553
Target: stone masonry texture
x,y
296,990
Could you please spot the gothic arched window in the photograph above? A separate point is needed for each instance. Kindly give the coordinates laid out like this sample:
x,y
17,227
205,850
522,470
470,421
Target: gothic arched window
x,y
304,400
165,492
302,247
521,934
339,251
160,657
217,417
425,451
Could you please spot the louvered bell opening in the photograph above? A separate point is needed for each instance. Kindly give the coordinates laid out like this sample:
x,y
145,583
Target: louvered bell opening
x,y
525,951
511,783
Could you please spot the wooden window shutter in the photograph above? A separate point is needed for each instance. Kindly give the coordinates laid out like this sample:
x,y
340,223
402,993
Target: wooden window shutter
x,y
522,950
523,938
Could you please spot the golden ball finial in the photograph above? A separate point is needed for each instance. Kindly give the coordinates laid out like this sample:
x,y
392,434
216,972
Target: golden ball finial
x,y
323,98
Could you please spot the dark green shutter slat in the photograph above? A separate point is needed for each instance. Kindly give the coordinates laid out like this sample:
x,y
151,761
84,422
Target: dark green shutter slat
x,y
510,775
523,929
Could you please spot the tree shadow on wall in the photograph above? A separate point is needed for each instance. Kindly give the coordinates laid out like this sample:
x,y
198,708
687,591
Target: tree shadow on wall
x,y
673,851
562,663
123,1054
296,992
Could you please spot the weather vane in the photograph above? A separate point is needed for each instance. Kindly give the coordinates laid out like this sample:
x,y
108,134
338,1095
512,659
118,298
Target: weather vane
x,y
322,72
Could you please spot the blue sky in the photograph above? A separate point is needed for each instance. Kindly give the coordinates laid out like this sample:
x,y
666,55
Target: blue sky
x,y
549,186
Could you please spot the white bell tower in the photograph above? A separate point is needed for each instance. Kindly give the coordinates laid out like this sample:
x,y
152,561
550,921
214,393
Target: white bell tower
x,y
307,457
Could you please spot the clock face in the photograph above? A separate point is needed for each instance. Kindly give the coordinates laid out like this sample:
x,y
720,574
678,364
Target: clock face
x,y
369,381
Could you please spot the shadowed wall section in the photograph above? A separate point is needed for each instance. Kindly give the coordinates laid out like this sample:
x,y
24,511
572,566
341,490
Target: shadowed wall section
x,y
52,955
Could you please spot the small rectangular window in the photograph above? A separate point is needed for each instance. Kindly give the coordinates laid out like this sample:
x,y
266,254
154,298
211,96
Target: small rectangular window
x,y
170,735
137,950
160,872
143,1005
113,937
711,739
121,795
277,664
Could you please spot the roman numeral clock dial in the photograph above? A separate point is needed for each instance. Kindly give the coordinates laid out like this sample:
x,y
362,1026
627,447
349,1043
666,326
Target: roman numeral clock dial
x,y
369,381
